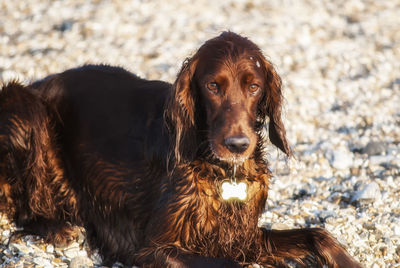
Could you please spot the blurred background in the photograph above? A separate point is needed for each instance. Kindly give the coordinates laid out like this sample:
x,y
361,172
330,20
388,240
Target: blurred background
x,y
340,64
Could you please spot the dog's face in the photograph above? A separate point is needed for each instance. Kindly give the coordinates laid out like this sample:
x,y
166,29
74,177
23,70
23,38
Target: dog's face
x,y
230,91
227,89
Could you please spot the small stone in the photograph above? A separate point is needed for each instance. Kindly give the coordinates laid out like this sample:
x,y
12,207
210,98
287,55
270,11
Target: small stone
x,y
306,189
6,233
383,250
56,260
355,171
380,159
65,26
375,148
280,226
370,192
4,221
42,262
50,249
324,215
29,264
341,159
72,251
369,226
396,230
58,251
80,262
335,198
20,249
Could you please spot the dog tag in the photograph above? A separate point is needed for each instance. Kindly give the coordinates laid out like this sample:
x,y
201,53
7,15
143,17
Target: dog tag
x,y
234,190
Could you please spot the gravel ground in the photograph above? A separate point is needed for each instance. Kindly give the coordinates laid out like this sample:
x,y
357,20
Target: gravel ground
x,y
340,63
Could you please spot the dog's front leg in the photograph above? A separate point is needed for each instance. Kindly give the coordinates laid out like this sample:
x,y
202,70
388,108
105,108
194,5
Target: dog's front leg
x,y
313,245
175,257
197,261
171,233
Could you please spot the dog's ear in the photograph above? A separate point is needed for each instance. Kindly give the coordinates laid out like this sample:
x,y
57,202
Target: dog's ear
x,y
180,112
271,106
183,93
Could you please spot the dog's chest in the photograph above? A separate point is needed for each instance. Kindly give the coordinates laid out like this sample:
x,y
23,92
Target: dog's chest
x,y
241,208
221,224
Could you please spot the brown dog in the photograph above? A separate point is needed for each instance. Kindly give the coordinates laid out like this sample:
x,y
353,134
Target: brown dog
x,y
144,165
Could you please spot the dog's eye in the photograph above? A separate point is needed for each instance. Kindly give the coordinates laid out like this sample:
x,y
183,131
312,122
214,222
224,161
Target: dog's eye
x,y
253,89
213,87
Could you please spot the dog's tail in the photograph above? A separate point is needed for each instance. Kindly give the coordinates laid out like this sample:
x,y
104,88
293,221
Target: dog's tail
x,y
31,177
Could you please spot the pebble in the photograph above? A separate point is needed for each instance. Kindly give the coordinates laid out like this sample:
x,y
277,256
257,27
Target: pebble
x,y
280,226
341,159
305,189
380,159
6,233
72,250
324,215
50,248
375,148
81,262
370,192
20,249
396,230
335,198
42,261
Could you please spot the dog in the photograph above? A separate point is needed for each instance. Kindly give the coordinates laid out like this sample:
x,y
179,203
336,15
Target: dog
x,y
159,175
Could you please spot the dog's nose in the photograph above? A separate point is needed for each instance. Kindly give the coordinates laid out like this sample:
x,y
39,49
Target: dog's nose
x,y
237,144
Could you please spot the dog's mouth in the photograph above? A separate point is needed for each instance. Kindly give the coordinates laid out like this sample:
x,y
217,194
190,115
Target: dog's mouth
x,y
232,159
234,150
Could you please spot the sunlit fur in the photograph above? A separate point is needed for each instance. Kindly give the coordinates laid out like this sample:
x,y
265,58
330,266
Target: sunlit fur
x,y
139,164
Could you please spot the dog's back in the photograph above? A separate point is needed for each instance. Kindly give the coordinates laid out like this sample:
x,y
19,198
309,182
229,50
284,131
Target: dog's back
x,y
95,142
107,109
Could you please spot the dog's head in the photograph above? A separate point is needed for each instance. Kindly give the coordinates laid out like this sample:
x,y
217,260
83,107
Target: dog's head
x,y
222,97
